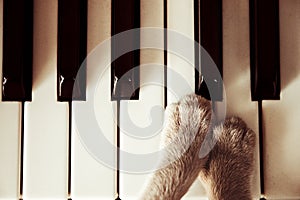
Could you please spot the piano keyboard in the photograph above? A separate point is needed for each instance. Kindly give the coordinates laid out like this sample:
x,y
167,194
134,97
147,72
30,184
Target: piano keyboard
x,y
255,45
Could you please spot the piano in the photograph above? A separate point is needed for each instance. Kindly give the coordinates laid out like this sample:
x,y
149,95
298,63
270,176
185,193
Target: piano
x,y
45,152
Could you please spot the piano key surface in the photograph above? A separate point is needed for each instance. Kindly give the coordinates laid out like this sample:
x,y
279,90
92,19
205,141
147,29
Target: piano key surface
x,y
236,73
90,178
9,149
71,48
180,23
181,72
141,140
17,50
281,118
125,75
137,116
208,22
264,49
46,120
10,131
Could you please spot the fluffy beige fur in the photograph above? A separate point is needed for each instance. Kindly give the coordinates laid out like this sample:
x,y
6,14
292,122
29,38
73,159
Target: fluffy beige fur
x,y
225,171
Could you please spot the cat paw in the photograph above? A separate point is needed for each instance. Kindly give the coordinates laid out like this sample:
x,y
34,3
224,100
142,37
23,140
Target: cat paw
x,y
235,138
186,119
227,173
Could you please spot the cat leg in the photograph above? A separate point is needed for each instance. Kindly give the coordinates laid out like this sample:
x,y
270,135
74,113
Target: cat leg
x,y
187,124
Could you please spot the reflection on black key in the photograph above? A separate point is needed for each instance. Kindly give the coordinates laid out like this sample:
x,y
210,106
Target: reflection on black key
x,y
208,32
72,47
17,50
125,49
264,49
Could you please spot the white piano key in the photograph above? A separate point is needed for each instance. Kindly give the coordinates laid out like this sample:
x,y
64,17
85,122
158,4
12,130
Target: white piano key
x,y
10,130
9,149
180,75
91,179
281,118
46,120
236,72
141,141
181,72
147,111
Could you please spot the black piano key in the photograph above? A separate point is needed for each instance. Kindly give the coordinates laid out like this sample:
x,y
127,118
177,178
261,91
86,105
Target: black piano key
x,y
17,50
72,49
208,33
125,77
264,49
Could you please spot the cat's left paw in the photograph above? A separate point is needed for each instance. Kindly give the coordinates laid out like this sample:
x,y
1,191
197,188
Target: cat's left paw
x,y
227,173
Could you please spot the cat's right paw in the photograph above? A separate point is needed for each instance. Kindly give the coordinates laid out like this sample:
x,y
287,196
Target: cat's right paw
x,y
186,121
